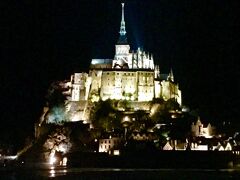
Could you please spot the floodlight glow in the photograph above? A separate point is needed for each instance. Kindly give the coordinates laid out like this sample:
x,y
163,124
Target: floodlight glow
x,y
52,160
62,148
116,152
64,161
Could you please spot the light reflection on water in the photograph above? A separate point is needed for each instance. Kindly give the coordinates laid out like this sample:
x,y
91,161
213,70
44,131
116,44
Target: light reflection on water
x,y
116,173
144,173
53,172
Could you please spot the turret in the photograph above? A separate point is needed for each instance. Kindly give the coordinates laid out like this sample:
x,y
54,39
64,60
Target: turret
x,y
171,77
156,71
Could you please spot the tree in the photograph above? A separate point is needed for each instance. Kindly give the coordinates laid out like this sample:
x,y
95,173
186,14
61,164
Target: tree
x,y
57,115
104,116
122,105
162,134
58,141
172,104
140,122
55,96
56,103
162,113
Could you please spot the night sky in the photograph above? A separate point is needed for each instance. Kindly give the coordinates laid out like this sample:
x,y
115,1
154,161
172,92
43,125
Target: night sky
x,y
44,41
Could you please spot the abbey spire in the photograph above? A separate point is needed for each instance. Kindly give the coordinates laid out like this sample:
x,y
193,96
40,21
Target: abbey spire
x,y
122,38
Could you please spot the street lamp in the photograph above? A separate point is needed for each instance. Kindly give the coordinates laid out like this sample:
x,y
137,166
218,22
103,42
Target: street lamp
x,y
125,122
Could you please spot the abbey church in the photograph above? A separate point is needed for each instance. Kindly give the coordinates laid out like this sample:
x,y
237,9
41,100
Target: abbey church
x,y
130,75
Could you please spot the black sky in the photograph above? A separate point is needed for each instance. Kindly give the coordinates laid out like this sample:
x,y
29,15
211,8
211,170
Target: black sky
x,y
44,41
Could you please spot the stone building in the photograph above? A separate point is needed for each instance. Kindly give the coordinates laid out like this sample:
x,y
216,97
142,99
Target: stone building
x,y
130,75
110,145
199,129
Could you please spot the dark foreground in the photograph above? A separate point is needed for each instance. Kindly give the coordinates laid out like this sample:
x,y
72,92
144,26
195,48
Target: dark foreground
x,y
109,174
137,165
155,160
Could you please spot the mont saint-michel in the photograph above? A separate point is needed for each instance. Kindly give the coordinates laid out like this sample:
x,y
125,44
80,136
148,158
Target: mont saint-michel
x,y
124,112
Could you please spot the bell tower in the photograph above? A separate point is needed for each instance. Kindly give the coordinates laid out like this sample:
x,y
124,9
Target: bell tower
x,y
122,48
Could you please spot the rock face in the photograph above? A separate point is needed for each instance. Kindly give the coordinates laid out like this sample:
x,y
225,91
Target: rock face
x,y
56,139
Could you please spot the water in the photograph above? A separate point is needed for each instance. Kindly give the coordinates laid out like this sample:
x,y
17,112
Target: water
x,y
109,173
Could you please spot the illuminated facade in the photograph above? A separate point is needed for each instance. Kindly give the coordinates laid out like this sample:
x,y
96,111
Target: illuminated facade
x,y
110,145
80,86
130,75
198,129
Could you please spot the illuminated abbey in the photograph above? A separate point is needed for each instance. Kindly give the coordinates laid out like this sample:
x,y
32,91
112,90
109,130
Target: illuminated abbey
x,y
130,75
